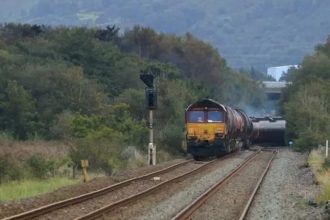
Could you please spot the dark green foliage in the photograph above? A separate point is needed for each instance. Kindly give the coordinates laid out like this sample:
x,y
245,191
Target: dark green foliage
x,y
83,85
40,167
102,149
110,33
306,102
17,110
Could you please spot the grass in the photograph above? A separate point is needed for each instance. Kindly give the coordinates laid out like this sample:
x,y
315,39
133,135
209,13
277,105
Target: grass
x,y
322,173
17,190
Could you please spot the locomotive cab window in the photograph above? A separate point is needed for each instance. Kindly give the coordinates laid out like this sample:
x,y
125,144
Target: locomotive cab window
x,y
214,116
196,116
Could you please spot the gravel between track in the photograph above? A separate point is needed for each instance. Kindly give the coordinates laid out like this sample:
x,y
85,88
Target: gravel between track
x,y
229,200
286,190
170,200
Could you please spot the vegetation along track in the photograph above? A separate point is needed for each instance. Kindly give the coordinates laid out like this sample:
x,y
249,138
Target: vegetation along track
x,y
104,200
231,197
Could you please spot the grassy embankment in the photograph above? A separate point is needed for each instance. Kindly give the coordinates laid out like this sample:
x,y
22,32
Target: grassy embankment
x,y
28,188
321,169
18,178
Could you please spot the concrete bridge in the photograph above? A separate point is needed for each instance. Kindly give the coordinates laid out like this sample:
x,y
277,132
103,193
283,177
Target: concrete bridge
x,y
273,91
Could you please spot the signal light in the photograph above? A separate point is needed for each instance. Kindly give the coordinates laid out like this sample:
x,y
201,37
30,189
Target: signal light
x,y
151,99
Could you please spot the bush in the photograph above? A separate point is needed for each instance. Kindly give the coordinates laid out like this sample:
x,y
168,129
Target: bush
x,y
326,163
10,170
42,168
171,137
101,148
307,141
39,166
6,136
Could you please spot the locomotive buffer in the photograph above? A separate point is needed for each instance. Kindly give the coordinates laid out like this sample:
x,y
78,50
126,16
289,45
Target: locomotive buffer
x,y
151,104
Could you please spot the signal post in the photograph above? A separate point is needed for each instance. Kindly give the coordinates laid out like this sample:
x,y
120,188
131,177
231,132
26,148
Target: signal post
x,y
151,104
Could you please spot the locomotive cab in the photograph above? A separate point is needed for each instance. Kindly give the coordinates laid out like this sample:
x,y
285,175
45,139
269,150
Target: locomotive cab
x,y
206,127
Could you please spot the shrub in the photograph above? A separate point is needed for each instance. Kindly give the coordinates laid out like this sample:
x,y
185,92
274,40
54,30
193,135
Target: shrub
x,y
326,163
101,148
172,137
39,166
10,170
307,141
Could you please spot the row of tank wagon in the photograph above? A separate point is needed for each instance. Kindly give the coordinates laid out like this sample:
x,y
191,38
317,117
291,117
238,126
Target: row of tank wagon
x,y
214,129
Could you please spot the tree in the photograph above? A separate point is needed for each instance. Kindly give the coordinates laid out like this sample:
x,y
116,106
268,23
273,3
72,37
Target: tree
x,y
17,110
306,103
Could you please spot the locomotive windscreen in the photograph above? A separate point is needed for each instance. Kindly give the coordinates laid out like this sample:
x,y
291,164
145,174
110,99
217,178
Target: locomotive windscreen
x,y
196,116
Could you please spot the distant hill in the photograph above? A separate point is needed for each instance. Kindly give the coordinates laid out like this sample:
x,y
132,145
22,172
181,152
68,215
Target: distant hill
x,y
247,33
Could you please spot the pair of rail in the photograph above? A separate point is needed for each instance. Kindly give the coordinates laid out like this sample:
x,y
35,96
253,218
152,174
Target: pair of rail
x,y
184,214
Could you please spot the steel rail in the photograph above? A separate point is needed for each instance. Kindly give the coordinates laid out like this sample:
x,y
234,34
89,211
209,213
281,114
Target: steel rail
x,y
262,177
125,201
81,198
192,207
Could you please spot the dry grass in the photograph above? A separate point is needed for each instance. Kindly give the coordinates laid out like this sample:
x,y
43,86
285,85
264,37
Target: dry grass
x,y
21,150
316,161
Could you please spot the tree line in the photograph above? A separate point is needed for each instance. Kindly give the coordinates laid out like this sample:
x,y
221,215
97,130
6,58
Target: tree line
x,y
82,85
306,102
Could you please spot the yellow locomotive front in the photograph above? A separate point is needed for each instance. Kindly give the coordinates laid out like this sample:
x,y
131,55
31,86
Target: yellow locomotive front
x,y
206,128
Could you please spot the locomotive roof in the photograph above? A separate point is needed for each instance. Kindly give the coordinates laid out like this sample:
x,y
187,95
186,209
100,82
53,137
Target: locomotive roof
x,y
206,103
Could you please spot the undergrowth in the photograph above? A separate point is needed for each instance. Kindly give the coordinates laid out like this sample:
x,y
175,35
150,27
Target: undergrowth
x,y
322,173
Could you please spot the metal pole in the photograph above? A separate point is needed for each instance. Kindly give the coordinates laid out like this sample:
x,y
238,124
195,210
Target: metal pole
x,y
151,132
151,147
326,148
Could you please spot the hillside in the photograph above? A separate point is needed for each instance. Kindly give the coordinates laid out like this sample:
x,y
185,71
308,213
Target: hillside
x,y
82,86
251,33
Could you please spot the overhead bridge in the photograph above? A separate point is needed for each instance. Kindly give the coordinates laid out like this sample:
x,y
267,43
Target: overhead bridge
x,y
273,91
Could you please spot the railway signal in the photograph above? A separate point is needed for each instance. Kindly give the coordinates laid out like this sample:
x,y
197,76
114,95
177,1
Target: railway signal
x,y
151,104
148,79
151,99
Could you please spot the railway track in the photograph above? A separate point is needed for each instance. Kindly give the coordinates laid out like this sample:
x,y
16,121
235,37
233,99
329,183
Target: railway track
x,y
231,200
76,208
133,198
143,185
81,198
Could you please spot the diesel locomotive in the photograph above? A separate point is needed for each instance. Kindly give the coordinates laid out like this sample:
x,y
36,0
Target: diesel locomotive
x,y
214,129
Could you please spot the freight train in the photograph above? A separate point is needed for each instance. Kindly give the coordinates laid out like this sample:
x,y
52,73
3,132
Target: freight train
x,y
214,129
268,130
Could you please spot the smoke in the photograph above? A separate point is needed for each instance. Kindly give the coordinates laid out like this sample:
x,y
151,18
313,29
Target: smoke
x,y
267,109
252,111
